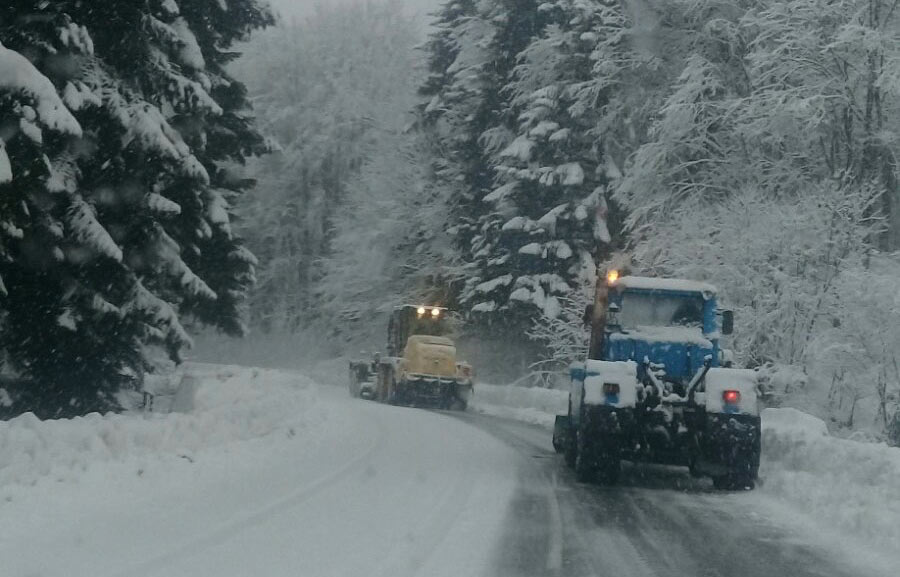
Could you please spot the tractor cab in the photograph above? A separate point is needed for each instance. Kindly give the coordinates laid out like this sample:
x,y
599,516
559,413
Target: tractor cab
x,y
651,388
670,325
409,320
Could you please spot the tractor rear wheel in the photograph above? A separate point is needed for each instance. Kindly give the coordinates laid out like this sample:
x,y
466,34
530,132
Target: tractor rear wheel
x,y
570,453
585,468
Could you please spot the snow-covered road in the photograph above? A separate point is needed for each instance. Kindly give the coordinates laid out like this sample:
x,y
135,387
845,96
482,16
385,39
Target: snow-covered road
x,y
658,522
396,493
374,490
273,476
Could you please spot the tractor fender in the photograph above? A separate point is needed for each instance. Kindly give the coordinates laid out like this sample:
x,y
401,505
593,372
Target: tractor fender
x,y
610,383
740,381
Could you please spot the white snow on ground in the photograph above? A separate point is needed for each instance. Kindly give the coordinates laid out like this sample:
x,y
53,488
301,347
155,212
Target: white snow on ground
x,y
850,485
264,473
239,407
847,486
528,404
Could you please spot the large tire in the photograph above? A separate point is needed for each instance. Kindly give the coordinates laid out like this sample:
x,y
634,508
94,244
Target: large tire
x,y
569,448
459,400
383,378
742,477
585,468
733,483
394,397
354,385
570,451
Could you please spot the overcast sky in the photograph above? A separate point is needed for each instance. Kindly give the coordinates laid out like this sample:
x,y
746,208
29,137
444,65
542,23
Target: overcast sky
x,y
289,8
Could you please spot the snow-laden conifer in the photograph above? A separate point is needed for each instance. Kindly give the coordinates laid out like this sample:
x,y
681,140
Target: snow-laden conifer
x,y
115,205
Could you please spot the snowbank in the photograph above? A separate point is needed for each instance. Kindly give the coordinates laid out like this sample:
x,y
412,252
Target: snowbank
x,y
224,405
847,485
531,405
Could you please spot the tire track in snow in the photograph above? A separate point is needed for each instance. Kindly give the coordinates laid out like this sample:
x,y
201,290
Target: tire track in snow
x,y
408,558
231,530
660,522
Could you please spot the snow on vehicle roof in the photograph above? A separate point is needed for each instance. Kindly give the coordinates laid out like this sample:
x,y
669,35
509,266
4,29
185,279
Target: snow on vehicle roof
x,y
653,334
667,284
430,340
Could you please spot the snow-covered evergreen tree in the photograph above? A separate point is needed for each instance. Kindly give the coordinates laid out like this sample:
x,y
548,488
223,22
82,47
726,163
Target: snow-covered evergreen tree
x,y
472,55
461,100
116,205
548,218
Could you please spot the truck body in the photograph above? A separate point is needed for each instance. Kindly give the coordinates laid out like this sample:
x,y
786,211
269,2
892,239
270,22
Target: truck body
x,y
653,388
421,367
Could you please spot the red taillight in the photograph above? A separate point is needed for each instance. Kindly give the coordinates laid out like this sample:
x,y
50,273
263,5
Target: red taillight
x,y
731,397
610,389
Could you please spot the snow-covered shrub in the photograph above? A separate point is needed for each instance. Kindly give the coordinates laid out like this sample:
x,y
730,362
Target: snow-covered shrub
x,y
565,336
857,350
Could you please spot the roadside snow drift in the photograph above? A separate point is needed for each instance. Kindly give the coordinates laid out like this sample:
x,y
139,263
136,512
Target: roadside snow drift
x,y
849,485
528,404
226,404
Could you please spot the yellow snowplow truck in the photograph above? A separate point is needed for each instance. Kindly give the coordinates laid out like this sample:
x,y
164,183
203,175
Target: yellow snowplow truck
x,y
421,368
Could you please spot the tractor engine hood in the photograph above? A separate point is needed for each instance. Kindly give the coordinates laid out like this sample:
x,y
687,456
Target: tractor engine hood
x,y
431,356
681,350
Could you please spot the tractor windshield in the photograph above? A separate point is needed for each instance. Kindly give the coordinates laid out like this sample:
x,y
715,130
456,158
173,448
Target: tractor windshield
x,y
428,325
660,310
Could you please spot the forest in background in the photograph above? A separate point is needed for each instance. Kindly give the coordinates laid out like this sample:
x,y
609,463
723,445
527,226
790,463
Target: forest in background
x,y
489,161
493,164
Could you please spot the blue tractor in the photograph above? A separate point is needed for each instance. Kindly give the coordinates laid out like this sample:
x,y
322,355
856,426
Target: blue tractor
x,y
654,388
